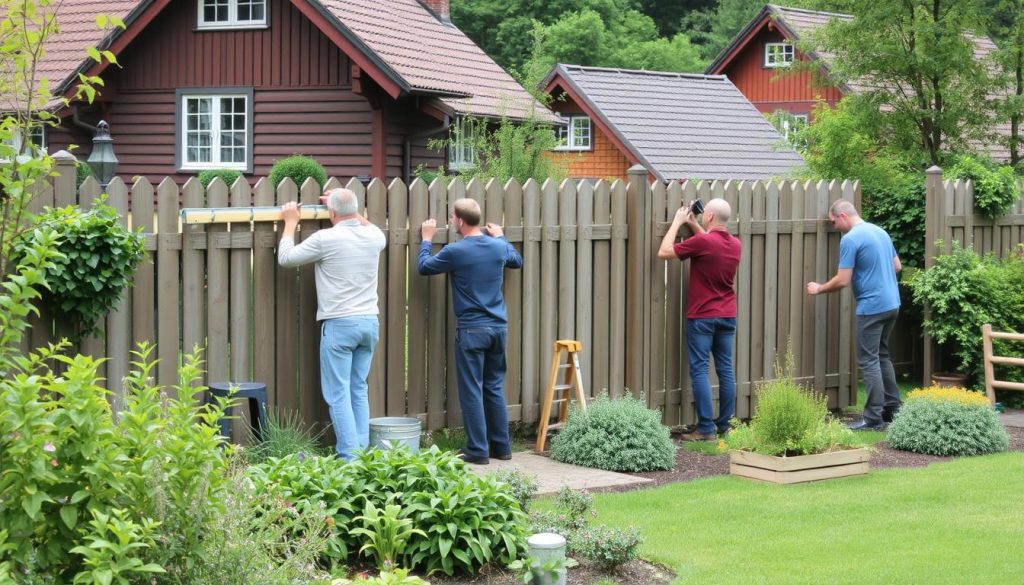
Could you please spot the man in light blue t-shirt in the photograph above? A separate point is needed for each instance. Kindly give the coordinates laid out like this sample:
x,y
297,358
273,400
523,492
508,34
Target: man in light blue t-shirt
x,y
868,261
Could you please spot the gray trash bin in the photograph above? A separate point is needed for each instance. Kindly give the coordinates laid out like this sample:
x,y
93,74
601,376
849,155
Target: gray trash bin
x,y
393,430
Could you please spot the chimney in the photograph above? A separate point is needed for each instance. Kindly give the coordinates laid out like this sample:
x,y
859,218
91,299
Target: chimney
x,y
439,8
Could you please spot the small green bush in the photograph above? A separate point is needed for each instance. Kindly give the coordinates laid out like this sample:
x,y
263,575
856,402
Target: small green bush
x,y
229,176
619,434
607,547
298,168
97,261
523,487
948,422
466,520
82,172
995,186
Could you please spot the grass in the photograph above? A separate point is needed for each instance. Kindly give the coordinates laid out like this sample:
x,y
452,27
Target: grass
x,y
890,526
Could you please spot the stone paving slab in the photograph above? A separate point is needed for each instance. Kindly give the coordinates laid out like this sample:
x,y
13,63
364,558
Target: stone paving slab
x,y
551,475
1012,418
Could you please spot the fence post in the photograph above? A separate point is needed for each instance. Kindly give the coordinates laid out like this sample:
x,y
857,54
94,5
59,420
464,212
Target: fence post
x,y
934,218
638,308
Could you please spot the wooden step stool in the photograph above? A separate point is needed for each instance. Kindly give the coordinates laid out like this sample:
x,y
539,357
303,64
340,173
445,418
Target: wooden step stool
x,y
571,380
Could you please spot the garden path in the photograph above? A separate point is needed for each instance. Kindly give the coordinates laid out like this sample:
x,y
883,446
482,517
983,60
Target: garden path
x,y
1012,418
551,475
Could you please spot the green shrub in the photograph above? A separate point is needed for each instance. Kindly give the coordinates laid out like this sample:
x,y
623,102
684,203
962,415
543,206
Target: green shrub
x,y
607,547
283,435
82,172
97,261
995,186
898,208
963,292
298,168
619,434
229,176
521,486
466,520
789,420
948,422
395,577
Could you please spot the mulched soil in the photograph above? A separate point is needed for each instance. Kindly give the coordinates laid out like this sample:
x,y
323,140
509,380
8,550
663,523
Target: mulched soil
x,y
692,465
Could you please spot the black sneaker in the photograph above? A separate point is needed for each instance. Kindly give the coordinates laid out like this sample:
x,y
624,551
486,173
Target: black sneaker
x,y
866,425
888,413
502,457
474,459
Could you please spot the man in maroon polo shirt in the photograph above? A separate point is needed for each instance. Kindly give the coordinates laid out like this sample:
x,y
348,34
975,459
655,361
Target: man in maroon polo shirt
x,y
714,256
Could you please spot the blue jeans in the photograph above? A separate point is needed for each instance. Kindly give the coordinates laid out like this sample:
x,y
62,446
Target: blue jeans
x,y
346,349
704,338
480,367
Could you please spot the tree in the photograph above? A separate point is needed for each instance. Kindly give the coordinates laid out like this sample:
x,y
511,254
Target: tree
x,y
918,61
1007,29
628,40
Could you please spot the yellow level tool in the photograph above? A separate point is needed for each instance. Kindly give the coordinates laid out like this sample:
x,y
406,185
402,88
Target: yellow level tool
x,y
194,215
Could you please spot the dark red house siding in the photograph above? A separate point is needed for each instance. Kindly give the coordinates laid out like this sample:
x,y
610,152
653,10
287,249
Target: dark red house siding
x,y
776,89
303,100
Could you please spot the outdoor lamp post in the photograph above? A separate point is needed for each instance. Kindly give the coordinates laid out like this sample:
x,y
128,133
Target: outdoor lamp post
x,y
102,158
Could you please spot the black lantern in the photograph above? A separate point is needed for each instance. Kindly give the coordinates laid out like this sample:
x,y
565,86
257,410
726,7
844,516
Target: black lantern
x,y
102,158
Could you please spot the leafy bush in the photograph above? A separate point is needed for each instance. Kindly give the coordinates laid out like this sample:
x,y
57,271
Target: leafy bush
x,y
607,547
82,172
521,486
284,434
789,420
466,520
97,261
617,435
71,471
229,176
963,292
995,186
898,208
298,168
947,421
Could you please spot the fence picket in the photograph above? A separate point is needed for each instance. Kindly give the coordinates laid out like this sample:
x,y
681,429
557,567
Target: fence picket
x,y
533,366
509,199
264,297
419,299
395,321
168,254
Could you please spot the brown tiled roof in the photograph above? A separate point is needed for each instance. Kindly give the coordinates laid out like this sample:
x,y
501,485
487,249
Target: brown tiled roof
x,y
430,56
435,57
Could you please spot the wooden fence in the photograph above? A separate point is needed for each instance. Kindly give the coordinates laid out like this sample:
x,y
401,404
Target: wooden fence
x,y
950,217
590,273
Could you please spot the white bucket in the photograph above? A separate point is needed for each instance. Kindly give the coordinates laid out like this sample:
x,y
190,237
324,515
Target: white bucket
x,y
388,431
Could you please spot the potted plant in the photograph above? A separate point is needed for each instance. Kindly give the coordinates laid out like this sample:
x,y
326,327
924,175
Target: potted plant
x,y
792,438
962,292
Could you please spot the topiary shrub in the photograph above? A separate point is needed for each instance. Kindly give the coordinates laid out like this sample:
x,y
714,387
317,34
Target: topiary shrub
x,y
229,176
948,422
82,172
97,262
298,168
619,434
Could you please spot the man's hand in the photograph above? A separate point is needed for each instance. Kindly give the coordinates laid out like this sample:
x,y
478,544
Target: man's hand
x,y
494,230
813,288
427,230
290,213
683,215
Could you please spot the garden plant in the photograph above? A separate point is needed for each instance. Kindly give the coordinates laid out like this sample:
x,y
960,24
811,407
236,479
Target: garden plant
x,y
298,168
619,434
947,421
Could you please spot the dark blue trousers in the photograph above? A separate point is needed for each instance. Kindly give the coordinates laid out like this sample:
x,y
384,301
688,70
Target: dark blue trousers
x,y
480,366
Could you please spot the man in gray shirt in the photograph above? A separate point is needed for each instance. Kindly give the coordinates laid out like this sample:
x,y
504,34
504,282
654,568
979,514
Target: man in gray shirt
x,y
346,256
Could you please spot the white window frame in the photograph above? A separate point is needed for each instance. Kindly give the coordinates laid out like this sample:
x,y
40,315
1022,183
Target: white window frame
x,y
786,128
462,147
577,134
778,55
37,135
216,131
233,21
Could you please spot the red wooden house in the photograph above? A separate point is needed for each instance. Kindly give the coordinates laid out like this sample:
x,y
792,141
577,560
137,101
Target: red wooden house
x,y
759,58
360,85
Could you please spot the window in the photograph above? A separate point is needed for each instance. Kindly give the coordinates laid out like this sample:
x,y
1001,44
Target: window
x,y
462,147
215,130
12,145
576,135
792,123
232,13
778,54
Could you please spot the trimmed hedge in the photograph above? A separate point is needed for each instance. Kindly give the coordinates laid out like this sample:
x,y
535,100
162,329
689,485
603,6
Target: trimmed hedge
x,y
948,422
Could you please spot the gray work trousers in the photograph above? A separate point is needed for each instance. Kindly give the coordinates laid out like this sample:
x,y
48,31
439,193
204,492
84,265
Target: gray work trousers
x,y
875,364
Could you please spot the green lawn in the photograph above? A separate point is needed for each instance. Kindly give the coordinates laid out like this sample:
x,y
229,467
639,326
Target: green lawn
x,y
957,522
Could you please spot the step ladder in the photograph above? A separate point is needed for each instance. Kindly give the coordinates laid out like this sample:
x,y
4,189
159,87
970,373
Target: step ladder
x,y
571,379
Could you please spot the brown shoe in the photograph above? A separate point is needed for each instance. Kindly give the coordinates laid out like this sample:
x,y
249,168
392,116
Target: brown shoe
x,y
699,436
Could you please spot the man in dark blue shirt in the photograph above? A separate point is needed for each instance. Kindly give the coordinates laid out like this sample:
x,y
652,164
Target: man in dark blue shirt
x,y
477,264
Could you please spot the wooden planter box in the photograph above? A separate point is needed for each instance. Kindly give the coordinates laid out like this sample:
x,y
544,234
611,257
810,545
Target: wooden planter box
x,y
800,468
